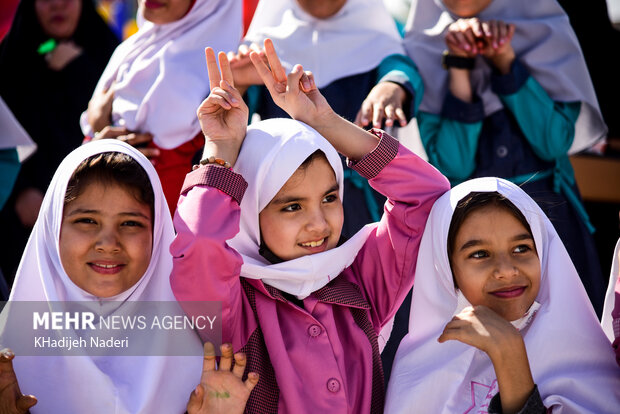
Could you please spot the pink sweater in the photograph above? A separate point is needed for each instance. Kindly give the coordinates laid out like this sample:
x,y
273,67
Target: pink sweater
x,y
324,356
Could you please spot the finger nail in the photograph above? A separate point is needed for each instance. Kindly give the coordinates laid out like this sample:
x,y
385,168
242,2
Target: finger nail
x,y
364,121
466,47
306,84
7,353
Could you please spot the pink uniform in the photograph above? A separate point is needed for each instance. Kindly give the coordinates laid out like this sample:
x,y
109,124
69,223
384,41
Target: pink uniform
x,y
323,357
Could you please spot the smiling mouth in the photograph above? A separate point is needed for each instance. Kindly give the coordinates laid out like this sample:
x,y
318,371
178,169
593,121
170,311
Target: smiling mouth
x,y
313,244
106,269
511,292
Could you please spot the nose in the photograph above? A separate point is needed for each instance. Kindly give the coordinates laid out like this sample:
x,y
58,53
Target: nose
x,y
504,267
317,222
108,241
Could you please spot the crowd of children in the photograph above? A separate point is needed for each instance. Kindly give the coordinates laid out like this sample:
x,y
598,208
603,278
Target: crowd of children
x,y
312,225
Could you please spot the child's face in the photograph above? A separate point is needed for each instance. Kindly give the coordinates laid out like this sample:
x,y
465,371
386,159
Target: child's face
x,y
306,216
106,239
321,9
495,263
164,11
466,8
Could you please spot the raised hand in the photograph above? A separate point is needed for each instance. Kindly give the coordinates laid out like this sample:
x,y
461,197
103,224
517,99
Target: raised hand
x,y
484,329
135,139
12,401
223,115
384,102
244,72
296,93
222,391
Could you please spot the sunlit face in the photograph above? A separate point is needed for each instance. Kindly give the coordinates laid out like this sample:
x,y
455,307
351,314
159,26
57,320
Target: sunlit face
x,y
164,11
495,263
106,239
466,8
306,216
321,9
58,18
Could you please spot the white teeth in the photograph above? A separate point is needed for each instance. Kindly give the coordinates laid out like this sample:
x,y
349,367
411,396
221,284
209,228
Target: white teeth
x,y
314,243
106,266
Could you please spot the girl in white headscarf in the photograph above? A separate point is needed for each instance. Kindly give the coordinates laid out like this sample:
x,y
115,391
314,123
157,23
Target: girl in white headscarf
x,y
155,81
512,98
102,239
259,226
500,321
355,52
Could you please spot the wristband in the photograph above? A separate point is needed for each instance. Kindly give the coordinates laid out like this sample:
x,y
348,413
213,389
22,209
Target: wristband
x,y
450,61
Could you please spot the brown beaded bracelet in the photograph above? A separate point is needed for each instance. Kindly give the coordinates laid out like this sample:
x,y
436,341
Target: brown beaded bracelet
x,y
213,160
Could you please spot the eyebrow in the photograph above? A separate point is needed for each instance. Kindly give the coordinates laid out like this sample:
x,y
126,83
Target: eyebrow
x,y
477,242
90,211
286,200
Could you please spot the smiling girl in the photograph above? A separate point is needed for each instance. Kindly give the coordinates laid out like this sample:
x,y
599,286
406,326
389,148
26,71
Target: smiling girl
x,y
500,321
264,238
102,237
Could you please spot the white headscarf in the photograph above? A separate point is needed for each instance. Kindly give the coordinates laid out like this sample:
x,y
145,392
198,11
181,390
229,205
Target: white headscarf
x,y
354,40
607,320
271,152
160,76
544,42
95,384
570,358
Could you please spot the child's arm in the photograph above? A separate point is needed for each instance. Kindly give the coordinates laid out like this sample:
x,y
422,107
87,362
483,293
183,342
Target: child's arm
x,y
205,268
484,329
298,95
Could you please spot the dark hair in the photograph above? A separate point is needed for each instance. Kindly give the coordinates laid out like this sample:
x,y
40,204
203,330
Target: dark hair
x,y
475,201
311,158
112,168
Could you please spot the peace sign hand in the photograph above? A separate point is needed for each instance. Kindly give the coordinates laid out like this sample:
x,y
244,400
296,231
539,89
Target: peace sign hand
x,y
296,93
223,115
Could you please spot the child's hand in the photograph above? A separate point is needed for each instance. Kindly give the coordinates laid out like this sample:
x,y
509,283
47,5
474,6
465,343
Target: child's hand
x,y
221,391
484,329
12,401
464,37
99,111
297,94
385,101
223,115
497,48
135,139
244,72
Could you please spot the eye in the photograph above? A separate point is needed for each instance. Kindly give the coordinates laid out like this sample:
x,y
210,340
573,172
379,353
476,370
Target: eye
x,y
479,254
85,220
292,207
522,248
330,198
132,223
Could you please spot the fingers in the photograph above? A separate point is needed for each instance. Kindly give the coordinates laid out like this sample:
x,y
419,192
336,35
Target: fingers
x,y
265,74
279,74
364,114
227,74
208,361
6,355
227,357
251,381
195,400
377,114
307,81
402,118
212,68
293,79
25,403
240,361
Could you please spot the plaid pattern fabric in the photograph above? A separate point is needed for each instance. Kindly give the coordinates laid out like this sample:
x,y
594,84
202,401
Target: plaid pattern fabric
x,y
373,162
264,397
224,179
